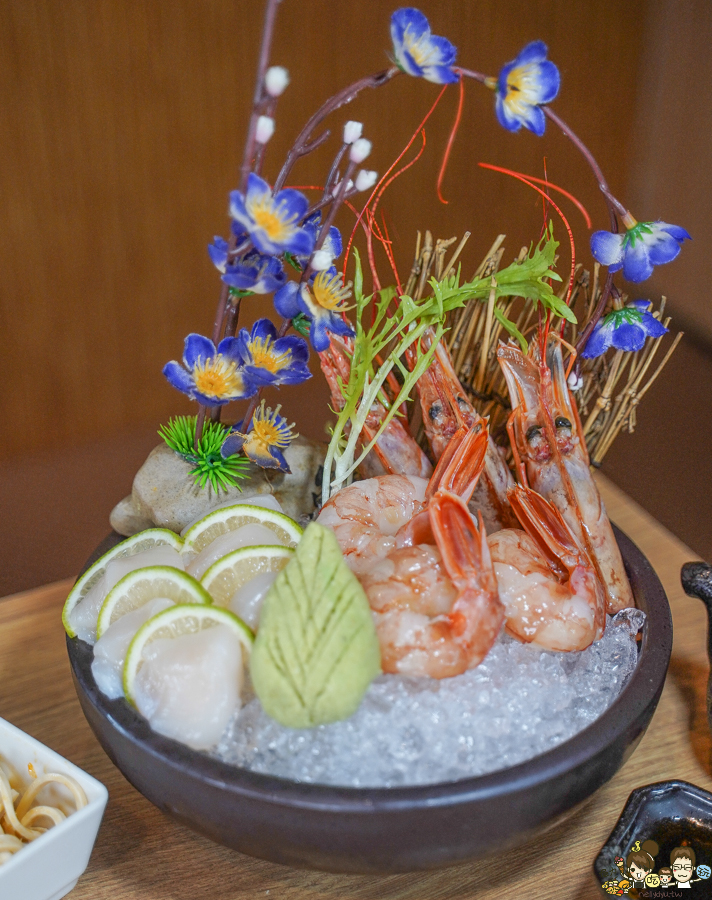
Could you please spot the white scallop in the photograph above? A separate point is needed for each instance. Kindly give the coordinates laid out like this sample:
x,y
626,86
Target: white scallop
x,y
247,601
110,650
268,501
83,617
189,686
246,536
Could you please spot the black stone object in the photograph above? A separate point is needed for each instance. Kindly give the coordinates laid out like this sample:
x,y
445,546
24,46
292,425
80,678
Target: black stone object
x,y
385,830
696,578
670,813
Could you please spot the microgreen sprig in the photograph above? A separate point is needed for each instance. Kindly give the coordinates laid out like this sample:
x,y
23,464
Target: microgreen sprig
x,y
399,331
529,278
395,330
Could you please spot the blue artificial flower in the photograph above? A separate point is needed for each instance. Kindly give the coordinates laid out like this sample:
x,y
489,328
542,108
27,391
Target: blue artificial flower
x,y
263,443
333,244
624,329
272,221
218,252
323,302
417,51
269,359
253,272
212,377
643,246
523,86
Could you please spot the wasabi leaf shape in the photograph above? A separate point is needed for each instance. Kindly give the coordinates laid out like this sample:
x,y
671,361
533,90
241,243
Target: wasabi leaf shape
x,y
316,650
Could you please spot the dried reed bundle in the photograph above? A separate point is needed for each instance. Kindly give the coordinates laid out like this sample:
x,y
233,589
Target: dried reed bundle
x,y
611,386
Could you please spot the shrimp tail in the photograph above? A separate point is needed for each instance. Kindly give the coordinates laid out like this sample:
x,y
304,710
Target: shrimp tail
x,y
546,527
557,544
457,472
459,468
477,614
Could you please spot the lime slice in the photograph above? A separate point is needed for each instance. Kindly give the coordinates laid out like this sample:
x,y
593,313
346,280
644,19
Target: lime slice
x,y
230,518
137,543
235,569
171,623
142,585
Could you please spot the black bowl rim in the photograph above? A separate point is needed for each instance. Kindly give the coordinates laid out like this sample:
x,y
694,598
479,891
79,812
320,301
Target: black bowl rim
x,y
641,690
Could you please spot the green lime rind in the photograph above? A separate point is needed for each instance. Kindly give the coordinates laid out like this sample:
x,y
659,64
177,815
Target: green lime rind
x,y
185,618
316,650
241,514
221,580
142,585
137,543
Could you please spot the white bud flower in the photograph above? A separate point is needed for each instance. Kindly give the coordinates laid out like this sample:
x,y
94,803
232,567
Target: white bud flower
x,y
337,187
321,260
365,180
352,132
264,130
359,150
575,382
276,80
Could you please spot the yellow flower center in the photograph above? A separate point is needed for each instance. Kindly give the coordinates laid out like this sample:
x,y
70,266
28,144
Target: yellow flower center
x,y
521,88
217,377
419,48
263,355
267,432
330,292
271,218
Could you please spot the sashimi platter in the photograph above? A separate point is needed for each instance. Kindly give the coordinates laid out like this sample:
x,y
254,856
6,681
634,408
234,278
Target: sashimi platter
x,y
436,594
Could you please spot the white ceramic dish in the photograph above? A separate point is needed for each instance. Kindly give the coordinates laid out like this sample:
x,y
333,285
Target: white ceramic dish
x,y
49,867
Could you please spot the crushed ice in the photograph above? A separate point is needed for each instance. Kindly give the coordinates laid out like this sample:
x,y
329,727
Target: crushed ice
x,y
520,702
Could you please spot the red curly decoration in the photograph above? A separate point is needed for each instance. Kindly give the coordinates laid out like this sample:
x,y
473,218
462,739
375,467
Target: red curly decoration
x,y
451,141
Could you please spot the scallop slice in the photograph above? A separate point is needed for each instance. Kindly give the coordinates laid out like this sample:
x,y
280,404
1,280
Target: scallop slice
x,y
268,501
247,600
250,535
188,687
110,650
83,617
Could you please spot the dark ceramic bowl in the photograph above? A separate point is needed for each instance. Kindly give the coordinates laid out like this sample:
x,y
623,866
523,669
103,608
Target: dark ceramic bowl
x,y
384,830
671,813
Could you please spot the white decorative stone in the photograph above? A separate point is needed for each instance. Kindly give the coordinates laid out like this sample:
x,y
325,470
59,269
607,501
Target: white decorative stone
x,y
164,494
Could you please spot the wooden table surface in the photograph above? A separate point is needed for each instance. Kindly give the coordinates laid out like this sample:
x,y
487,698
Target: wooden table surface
x,y
141,854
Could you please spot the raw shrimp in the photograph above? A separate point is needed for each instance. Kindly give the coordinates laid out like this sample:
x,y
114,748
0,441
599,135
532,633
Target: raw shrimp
x,y
395,452
435,604
550,590
436,608
445,408
366,516
550,453
370,518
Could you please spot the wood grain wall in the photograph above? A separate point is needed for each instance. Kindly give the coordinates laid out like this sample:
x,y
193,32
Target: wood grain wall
x,y
671,168
121,127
